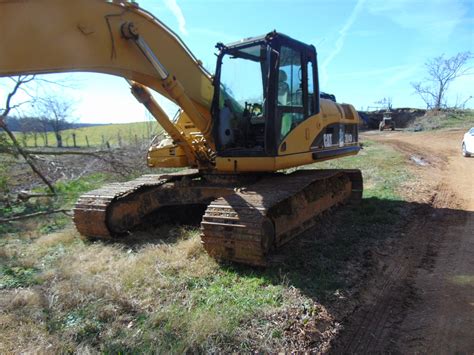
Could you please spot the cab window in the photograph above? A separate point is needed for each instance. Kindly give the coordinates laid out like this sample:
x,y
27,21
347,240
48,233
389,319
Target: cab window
x,y
290,90
311,101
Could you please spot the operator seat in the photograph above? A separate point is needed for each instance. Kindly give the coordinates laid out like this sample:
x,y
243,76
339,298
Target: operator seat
x,y
226,133
284,96
283,88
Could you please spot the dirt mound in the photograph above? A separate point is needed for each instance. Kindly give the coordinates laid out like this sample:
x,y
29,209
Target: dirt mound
x,y
403,117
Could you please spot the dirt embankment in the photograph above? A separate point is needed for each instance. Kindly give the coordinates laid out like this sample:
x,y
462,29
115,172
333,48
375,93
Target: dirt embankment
x,y
422,299
403,117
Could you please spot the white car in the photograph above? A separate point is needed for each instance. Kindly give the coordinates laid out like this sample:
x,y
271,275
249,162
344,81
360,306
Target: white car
x,y
468,143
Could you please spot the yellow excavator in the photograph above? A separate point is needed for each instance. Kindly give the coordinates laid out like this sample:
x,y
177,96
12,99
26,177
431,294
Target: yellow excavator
x,y
238,131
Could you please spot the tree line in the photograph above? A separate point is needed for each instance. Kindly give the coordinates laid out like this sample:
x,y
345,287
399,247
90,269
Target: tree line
x,y
33,123
39,129
54,115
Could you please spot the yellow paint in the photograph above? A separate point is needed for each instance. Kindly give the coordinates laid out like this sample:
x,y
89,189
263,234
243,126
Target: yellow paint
x,y
167,157
312,126
268,164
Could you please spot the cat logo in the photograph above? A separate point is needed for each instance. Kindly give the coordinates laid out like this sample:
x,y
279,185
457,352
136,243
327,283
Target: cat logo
x,y
327,140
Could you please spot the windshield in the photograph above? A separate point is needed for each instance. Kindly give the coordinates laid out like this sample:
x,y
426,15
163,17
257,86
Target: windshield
x,y
242,76
241,116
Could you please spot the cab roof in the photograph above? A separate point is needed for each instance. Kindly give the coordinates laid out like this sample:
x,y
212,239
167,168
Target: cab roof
x,y
269,37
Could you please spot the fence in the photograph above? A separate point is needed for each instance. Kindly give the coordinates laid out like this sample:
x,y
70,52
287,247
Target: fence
x,y
110,136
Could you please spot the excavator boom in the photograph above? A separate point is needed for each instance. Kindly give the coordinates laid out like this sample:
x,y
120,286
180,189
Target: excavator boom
x,y
53,36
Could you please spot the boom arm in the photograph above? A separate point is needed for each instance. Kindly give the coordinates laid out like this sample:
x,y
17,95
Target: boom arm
x,y
52,36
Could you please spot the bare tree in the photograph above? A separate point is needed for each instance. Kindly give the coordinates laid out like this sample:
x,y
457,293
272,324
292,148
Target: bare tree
x,y
44,129
441,73
461,103
21,80
29,127
56,113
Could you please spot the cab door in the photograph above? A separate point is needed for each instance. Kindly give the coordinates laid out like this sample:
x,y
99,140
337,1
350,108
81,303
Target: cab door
x,y
296,99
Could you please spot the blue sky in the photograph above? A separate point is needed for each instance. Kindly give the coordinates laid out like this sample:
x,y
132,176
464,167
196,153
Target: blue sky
x,y
367,49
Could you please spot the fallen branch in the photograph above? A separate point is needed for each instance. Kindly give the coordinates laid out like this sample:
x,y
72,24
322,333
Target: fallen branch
x,y
36,214
108,156
25,155
67,152
95,153
26,195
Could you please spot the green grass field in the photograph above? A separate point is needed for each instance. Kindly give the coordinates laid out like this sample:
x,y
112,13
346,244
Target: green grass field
x,y
114,134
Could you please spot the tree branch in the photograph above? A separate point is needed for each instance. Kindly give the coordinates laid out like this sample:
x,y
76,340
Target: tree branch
x,y
30,215
18,82
95,153
441,72
25,155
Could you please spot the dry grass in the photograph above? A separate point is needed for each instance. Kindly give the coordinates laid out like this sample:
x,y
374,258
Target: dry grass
x,y
109,297
463,119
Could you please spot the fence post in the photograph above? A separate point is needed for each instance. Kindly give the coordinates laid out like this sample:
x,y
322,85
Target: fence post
x,y
87,142
74,140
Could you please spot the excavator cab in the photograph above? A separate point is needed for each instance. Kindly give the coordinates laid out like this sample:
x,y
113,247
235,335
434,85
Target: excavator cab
x,y
263,88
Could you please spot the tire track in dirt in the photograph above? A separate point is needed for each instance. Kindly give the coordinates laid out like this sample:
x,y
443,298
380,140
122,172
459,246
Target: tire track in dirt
x,y
387,298
414,304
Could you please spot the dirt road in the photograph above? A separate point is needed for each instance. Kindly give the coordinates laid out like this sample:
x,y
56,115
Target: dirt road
x,y
422,299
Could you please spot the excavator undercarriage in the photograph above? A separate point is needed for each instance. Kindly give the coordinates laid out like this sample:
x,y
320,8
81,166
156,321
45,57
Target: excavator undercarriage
x,y
246,217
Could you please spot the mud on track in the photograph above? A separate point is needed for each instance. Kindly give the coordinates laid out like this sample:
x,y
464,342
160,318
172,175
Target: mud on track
x,y
422,298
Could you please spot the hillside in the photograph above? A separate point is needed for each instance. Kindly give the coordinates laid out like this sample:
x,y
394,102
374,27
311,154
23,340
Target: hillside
x,y
95,136
14,124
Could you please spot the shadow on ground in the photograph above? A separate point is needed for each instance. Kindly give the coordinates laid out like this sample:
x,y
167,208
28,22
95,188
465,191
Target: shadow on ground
x,y
330,258
333,257
333,264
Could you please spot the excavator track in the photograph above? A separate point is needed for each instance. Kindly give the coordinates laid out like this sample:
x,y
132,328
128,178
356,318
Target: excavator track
x,y
241,224
94,214
245,226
